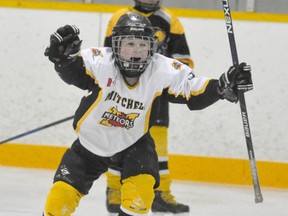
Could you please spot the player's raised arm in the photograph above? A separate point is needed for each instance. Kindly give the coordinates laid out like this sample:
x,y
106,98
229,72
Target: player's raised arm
x,y
63,51
201,92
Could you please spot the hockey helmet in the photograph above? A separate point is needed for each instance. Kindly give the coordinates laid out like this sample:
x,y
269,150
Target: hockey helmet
x,y
133,41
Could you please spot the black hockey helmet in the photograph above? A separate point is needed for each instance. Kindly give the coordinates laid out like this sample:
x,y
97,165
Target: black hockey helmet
x,y
144,6
133,27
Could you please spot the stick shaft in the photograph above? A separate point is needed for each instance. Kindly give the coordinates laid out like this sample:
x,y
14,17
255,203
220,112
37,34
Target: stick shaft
x,y
243,108
36,129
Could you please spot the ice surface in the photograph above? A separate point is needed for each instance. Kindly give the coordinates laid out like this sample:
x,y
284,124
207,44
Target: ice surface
x,y
23,192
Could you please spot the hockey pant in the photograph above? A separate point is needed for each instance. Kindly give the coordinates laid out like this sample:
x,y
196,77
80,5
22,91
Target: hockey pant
x,y
160,136
79,168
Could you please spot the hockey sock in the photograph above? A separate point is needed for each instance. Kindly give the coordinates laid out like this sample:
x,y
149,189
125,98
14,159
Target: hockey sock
x,y
113,183
160,136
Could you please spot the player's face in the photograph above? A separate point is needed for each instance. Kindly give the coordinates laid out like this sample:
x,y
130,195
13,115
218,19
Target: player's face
x,y
134,49
149,1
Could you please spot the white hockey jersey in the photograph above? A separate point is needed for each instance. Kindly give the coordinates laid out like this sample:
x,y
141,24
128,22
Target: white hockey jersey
x,y
113,116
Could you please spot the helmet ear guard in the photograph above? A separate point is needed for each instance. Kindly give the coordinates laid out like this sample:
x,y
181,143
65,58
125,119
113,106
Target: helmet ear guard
x,y
134,27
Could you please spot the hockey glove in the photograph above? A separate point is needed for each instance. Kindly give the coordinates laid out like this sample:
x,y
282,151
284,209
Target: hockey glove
x,y
64,45
237,78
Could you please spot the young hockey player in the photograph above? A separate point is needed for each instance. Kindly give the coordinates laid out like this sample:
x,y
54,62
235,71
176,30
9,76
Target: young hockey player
x,y
172,43
112,121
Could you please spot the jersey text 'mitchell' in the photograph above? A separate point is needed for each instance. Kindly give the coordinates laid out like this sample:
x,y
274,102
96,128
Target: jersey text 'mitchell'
x,y
125,102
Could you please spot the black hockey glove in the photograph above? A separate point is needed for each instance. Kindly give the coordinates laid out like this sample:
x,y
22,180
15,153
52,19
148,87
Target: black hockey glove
x,y
64,45
237,78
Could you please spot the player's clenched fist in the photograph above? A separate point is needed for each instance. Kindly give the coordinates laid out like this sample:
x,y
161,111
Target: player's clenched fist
x,y
64,45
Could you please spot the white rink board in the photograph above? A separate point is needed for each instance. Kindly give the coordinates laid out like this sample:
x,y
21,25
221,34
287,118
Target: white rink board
x,y
32,95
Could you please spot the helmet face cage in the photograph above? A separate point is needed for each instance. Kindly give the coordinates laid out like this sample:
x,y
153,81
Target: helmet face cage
x,y
133,40
132,53
148,6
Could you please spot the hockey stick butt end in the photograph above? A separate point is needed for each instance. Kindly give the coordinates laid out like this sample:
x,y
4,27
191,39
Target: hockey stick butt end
x,y
259,199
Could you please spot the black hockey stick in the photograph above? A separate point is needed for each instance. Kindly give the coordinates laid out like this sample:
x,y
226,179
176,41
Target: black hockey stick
x,y
36,129
244,114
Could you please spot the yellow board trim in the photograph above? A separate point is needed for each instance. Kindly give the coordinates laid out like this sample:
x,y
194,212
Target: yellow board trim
x,y
182,167
31,156
227,170
104,8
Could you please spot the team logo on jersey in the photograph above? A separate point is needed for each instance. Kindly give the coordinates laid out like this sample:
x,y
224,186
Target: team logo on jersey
x,y
96,52
161,43
115,118
177,65
160,35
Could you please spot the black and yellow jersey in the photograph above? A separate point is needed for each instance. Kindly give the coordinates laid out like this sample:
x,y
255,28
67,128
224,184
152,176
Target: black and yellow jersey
x,y
113,116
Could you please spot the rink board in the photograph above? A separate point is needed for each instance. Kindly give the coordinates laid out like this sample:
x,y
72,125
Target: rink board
x,y
182,167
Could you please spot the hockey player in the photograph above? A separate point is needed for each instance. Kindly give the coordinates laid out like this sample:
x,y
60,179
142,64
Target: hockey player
x,y
172,43
112,121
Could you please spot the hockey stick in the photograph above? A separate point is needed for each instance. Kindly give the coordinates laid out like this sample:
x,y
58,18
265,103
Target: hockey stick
x,y
36,129
244,114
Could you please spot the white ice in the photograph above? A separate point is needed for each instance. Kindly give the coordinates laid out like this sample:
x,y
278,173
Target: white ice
x,y
23,192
